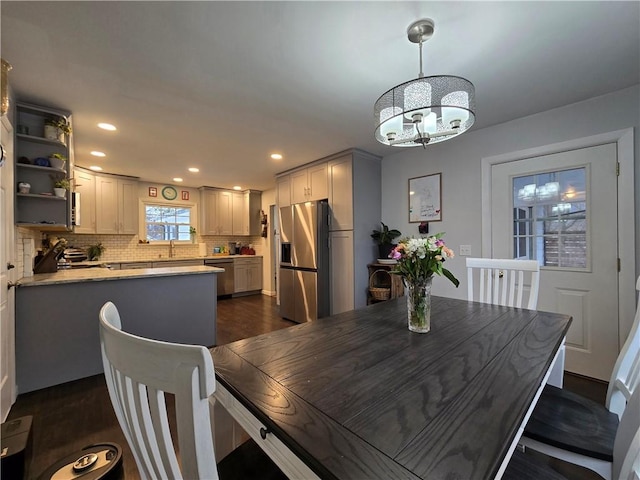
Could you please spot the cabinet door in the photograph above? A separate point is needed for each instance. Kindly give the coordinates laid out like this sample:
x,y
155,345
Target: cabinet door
x,y
106,205
240,217
283,191
299,187
342,289
225,213
127,206
209,216
318,182
240,277
341,193
254,276
85,185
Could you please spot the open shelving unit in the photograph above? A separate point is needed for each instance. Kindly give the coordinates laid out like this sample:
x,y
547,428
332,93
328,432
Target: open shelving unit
x,y
40,208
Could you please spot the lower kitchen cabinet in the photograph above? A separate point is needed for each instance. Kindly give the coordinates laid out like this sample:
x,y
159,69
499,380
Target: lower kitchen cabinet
x,y
132,265
178,263
247,274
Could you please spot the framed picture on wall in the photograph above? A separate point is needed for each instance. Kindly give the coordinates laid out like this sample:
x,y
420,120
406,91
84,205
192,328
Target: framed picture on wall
x,y
425,198
185,195
153,192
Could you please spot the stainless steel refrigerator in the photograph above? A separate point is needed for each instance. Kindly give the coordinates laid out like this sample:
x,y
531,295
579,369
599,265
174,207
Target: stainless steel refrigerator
x,y
304,261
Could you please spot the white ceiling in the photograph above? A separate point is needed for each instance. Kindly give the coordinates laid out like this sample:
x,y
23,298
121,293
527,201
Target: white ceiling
x,y
221,85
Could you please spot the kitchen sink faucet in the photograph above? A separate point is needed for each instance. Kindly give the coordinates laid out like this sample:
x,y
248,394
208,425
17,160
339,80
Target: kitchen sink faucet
x,y
172,249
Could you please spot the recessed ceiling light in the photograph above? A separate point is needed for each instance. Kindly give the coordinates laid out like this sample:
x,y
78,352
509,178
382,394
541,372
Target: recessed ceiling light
x,y
194,170
107,126
177,179
276,156
237,187
95,168
96,153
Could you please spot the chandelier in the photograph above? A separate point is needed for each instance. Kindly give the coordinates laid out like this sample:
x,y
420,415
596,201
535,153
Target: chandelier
x,y
427,109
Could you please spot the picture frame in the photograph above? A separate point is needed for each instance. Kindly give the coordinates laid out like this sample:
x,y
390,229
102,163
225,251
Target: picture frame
x,y
185,195
153,192
425,198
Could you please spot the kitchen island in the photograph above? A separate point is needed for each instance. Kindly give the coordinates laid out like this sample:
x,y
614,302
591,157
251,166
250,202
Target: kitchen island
x,y
57,336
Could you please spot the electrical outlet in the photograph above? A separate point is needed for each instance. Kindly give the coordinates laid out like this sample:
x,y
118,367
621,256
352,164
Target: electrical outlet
x,y
465,250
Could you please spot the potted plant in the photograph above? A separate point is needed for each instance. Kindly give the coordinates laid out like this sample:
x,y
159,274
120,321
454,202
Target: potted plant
x,y
57,160
192,233
384,239
94,251
56,128
60,187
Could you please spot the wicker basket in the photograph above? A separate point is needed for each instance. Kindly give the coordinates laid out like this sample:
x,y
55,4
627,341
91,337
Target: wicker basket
x,y
380,285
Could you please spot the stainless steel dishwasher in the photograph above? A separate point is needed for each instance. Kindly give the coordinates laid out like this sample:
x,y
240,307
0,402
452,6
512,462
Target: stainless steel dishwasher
x,y
225,279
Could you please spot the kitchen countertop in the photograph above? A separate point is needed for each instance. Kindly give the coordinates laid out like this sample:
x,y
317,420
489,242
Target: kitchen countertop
x,y
94,263
105,274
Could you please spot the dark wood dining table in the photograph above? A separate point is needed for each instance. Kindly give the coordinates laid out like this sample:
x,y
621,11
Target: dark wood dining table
x,y
359,396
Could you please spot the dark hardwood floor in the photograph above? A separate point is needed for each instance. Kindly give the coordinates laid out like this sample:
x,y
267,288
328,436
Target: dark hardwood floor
x,y
71,416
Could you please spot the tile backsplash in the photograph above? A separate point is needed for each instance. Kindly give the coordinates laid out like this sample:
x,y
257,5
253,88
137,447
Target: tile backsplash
x,y
126,247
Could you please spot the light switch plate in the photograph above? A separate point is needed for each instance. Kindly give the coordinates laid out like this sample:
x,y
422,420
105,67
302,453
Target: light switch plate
x,y
465,250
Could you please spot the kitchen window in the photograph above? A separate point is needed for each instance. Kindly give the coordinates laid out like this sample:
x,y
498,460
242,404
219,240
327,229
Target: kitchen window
x,y
164,223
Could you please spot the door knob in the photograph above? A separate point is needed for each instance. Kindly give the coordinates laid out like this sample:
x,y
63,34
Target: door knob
x,y
10,266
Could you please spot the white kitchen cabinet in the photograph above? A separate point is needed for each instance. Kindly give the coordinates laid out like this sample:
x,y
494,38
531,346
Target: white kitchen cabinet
x,y
341,193
239,216
116,205
355,204
134,265
309,184
342,274
247,274
85,185
247,210
178,263
283,191
216,212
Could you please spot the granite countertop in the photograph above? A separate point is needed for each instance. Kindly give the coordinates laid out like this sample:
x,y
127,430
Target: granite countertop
x,y
105,274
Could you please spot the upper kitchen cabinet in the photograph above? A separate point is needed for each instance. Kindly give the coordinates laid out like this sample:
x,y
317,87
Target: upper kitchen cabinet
x,y
309,184
283,191
42,132
85,185
354,189
247,210
116,205
216,212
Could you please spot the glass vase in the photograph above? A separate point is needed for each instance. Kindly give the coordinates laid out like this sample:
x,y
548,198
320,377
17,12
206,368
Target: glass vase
x,y
418,293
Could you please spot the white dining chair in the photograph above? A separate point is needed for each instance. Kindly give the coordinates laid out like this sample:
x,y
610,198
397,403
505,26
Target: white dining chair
x,y
138,372
578,430
503,281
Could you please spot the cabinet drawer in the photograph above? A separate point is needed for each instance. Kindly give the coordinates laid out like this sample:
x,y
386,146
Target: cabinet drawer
x,y
247,261
289,463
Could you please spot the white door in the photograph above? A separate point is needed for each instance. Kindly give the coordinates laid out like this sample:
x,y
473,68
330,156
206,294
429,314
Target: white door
x,y
561,209
7,275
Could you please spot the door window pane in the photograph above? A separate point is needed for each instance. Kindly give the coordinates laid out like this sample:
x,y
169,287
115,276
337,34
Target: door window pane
x,y
550,218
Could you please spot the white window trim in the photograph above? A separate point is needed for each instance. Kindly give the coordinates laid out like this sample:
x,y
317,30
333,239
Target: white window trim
x,y
142,231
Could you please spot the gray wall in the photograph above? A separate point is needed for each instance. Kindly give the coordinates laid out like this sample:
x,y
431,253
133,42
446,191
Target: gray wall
x,y
459,160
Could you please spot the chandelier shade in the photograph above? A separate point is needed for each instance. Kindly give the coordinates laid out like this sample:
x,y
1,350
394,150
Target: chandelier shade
x,y
425,110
